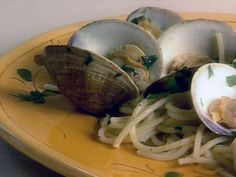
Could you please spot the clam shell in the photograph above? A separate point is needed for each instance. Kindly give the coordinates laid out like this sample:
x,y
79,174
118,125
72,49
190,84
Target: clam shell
x,y
205,89
90,81
159,18
197,38
105,36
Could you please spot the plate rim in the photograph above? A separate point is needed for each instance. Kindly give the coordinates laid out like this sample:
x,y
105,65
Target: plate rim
x,y
28,145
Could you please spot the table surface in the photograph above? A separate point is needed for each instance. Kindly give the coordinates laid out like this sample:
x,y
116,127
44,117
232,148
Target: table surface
x,y
22,20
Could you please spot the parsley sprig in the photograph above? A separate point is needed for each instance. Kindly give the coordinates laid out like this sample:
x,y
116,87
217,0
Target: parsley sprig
x,y
34,95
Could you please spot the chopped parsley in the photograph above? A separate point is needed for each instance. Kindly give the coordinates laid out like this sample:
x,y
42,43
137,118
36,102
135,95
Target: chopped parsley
x,y
233,132
129,70
210,72
89,59
173,174
34,96
231,80
149,60
177,82
139,19
234,63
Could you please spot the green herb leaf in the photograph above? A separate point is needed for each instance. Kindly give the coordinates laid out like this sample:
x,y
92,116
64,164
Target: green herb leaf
x,y
50,93
177,82
231,80
138,19
233,132
149,60
173,174
89,59
210,72
25,74
128,70
33,96
234,63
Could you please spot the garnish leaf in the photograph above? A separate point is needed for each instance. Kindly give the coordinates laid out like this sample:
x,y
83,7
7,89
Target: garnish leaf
x,y
210,72
128,69
137,20
173,174
89,59
234,63
50,93
149,60
177,82
25,74
231,80
34,96
233,132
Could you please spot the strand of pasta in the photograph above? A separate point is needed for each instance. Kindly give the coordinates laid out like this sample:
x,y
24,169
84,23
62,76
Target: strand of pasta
x,y
179,116
173,145
150,125
156,141
103,138
135,120
169,106
116,125
134,139
190,160
212,143
198,141
170,155
119,119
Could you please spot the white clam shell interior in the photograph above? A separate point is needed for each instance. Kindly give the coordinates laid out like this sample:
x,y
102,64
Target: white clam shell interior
x,y
105,36
161,18
197,37
204,90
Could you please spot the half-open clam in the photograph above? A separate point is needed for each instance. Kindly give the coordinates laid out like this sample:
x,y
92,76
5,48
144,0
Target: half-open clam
x,y
88,80
124,43
154,19
196,42
213,92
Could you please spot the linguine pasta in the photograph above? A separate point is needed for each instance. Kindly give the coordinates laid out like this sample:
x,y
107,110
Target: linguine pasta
x,y
167,129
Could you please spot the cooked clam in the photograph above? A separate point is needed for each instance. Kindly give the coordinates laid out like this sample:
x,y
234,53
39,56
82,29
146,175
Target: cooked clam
x,y
196,42
88,80
124,43
153,19
213,92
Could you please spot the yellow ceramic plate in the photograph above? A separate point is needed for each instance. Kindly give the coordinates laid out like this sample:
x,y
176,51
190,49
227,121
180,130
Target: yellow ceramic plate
x,y
57,135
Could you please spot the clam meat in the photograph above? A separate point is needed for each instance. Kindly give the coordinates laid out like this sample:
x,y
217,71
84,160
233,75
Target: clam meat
x,y
213,92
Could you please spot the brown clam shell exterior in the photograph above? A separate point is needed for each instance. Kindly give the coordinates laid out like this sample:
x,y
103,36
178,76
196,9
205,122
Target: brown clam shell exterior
x,y
91,82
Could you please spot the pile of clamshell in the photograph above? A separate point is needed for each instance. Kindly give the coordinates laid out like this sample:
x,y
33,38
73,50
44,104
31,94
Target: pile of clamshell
x,y
109,62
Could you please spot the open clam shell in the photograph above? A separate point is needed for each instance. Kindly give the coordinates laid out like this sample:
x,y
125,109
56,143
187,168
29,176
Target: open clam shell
x,y
158,18
209,84
90,81
106,36
198,39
